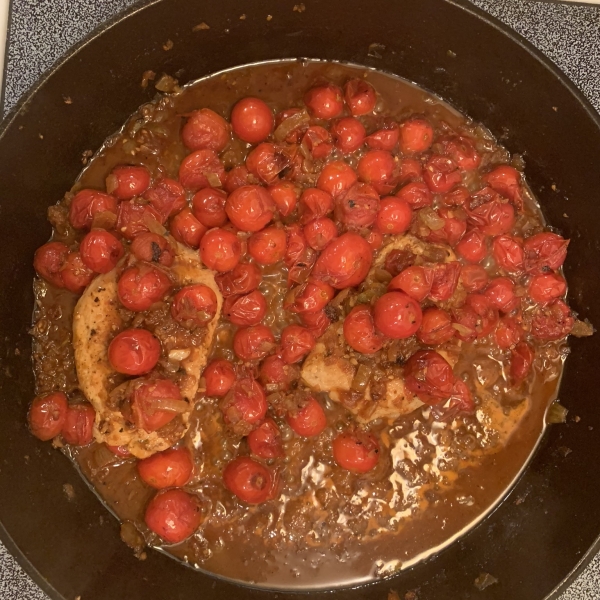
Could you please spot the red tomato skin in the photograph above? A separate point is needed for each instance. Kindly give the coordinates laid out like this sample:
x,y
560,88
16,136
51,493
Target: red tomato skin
x,y
358,207
237,177
454,228
167,197
500,293
356,452
250,481
436,327
318,141
397,315
544,251
308,421
316,322
508,253
486,315
78,427
140,287
416,136
151,247
394,216
416,194
325,102
360,97
472,247
461,150
252,120
47,415
195,168
194,306
359,330
345,262
385,138
521,361
245,310
285,196
493,218
296,342
134,352
265,440
414,281
410,169
267,161
320,232
133,218
508,333
49,260
314,204
205,129
101,251
376,167
125,182
441,174
86,204
142,414
253,343
208,206
545,288
474,278
120,451
552,321
429,377
506,180
268,246
445,280
76,275
250,208
174,515
336,177
186,229
276,374
170,468
349,134
219,375
311,296
375,239
457,197
246,401
467,319
242,279
220,250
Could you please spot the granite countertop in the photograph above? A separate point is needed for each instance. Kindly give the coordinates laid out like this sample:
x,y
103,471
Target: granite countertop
x,y
41,31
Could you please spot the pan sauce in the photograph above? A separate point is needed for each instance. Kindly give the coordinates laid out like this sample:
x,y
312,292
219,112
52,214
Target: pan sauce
x,y
435,479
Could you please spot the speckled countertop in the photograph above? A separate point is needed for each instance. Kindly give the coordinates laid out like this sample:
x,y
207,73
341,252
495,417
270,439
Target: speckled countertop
x,y
41,31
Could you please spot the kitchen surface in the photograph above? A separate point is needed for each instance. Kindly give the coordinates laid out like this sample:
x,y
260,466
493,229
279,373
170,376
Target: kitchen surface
x,y
42,31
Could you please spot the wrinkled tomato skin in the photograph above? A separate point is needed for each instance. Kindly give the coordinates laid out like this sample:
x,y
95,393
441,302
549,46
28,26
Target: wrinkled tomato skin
x,y
397,315
320,232
285,196
472,247
493,218
275,373
205,129
508,253
173,515
194,306
265,440
249,309
76,275
376,168
152,247
318,140
461,150
314,204
474,278
500,293
167,197
86,204
133,218
296,342
250,208
416,136
220,250
453,230
49,260
125,182
358,207
429,376
47,415
242,279
267,161
252,120
237,177
250,481
359,331
552,322
508,333
219,375
436,327
545,288
414,281
311,296
544,251
268,246
134,352
140,287
445,280
142,413
466,320
78,427
385,138
521,361
349,134
197,166
170,468
325,102
101,250
316,322
441,174
253,343
360,97
505,180
416,194
186,229
310,420
487,316
336,178
208,206
356,452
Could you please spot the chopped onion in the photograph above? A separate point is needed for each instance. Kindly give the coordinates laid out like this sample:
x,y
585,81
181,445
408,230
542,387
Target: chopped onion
x,y
582,329
431,218
288,125
170,404
557,413
466,331
214,180
179,354
153,225
361,378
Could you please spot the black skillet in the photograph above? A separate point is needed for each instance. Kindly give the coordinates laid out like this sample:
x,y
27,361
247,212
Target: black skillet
x,y
72,548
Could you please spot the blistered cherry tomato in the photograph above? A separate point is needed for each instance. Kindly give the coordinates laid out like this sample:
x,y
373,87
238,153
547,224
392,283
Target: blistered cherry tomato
x,y
253,343
78,427
544,251
276,374
194,306
441,174
250,481
49,260
397,315
297,246
415,193
245,404
409,169
415,281
325,101
170,468
140,287
243,278
462,151
520,362
201,169
167,197
501,294
219,375
174,515
358,207
120,451
375,239
134,352
125,183
428,375
146,399
249,309
394,216
376,167
508,333
250,207
47,415
285,196
152,247
457,197
360,96
318,141
356,452
309,420
76,275
320,232
493,218
508,253
266,161
506,181
208,206
465,321
552,321
205,129
487,315
87,204
252,120
135,217
186,229
474,278
267,246
345,262
349,134
445,280
359,330
101,250
316,322
543,288
436,327
296,342
237,177
336,177
455,226
472,247
310,296
265,440
385,138
416,136
315,203
220,250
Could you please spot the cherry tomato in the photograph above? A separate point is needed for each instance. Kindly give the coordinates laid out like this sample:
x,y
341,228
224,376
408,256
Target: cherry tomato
x,y
314,204
267,161
167,197
250,207
135,217
125,183
336,177
75,274
457,197
472,247
244,278
220,250
49,260
428,375
436,327
414,281
285,196
543,288
296,342
265,440
345,262
325,101
297,245
295,121
461,150
445,280
186,229
146,400
250,481
140,287
316,322
268,246
309,420
134,352
101,250
377,167
208,206
385,138
416,136
205,129
87,205
253,343
441,174
359,331
237,177
360,96
152,247
356,452
320,232
318,142
416,194
246,402
47,415
552,321
174,515
395,215
508,253
219,375
501,294
474,278
454,227
358,207
252,120
201,169
276,375
170,468
544,251
120,451
375,239
410,169
397,315
194,306
245,310
508,333
487,316
465,321
506,181
311,296
521,362
349,134
493,218
461,399
78,427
